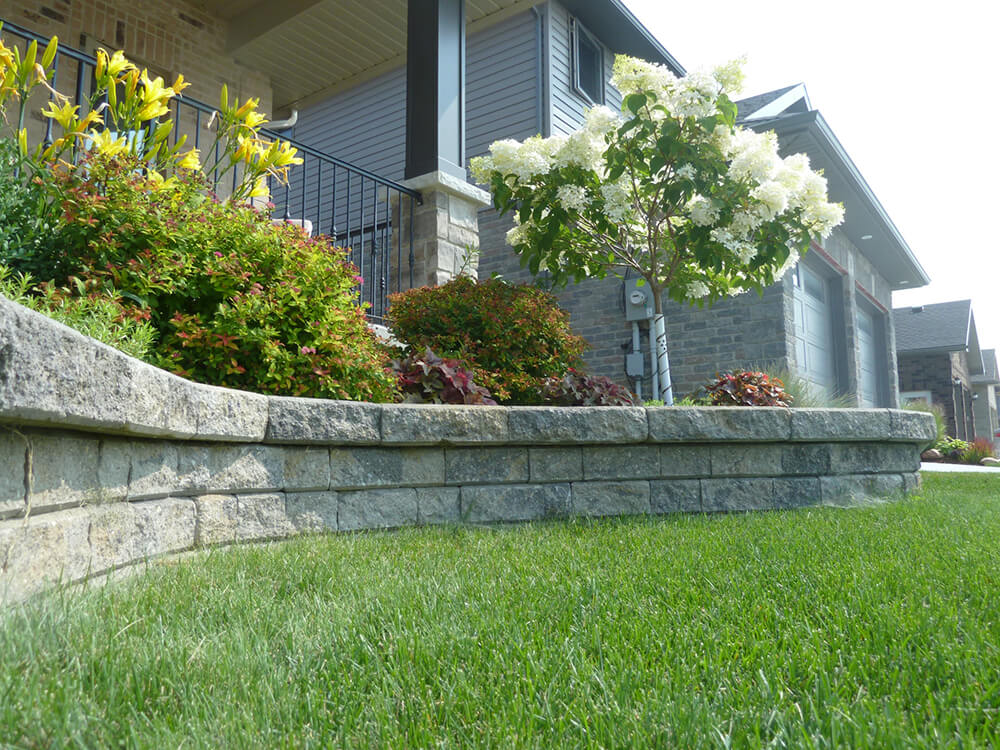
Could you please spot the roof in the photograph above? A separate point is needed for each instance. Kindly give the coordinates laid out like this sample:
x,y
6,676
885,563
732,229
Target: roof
x,y
621,31
991,374
801,129
940,328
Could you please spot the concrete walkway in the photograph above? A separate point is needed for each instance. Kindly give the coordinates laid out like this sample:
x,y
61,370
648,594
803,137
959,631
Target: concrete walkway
x,y
935,466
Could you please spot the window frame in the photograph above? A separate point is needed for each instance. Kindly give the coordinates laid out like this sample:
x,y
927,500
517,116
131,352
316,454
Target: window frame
x,y
578,31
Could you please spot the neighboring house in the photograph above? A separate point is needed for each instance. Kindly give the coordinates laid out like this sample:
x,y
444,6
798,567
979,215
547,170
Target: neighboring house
x,y
984,397
939,357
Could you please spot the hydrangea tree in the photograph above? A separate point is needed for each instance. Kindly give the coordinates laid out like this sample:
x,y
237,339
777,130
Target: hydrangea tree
x,y
672,190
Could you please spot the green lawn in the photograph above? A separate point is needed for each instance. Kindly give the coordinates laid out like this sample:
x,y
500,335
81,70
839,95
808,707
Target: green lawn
x,y
866,627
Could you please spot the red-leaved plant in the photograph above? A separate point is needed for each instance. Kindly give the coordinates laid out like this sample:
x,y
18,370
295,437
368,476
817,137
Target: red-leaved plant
x,y
747,388
428,378
577,389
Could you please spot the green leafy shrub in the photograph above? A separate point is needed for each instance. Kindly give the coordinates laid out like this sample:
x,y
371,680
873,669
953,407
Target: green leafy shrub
x,y
951,447
978,449
577,389
934,409
427,378
28,222
100,315
747,388
236,300
512,337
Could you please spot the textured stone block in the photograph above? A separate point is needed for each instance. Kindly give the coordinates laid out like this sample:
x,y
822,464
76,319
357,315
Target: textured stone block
x,y
48,549
611,498
675,495
312,511
154,469
796,492
51,374
377,509
515,502
13,451
621,462
161,404
322,421
164,526
450,425
439,505
486,465
262,517
840,424
64,472
113,532
912,482
583,424
871,458
114,464
385,467
216,520
306,469
805,458
226,414
746,459
731,423
555,464
913,425
737,494
685,461
220,469
851,488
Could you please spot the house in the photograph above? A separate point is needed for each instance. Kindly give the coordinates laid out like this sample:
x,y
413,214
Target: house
x,y
984,398
389,102
937,348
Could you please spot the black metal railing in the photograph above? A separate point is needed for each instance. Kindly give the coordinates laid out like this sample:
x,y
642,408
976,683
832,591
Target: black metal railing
x,y
369,215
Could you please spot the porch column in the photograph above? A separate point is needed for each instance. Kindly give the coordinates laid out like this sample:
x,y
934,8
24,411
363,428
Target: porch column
x,y
445,226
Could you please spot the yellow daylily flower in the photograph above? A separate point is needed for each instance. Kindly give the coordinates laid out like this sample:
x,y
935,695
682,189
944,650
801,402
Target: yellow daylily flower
x,y
254,120
285,154
64,115
190,160
248,106
118,64
154,96
108,143
179,84
259,189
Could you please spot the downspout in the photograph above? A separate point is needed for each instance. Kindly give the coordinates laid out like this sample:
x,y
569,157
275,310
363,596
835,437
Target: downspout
x,y
539,70
279,125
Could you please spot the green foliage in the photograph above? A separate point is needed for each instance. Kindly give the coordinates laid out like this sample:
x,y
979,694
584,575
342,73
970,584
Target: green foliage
x,y
510,336
978,449
653,402
427,378
951,447
236,300
578,389
746,388
101,316
28,221
934,409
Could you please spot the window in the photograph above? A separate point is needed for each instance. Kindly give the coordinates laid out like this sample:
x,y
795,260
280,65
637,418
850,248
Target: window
x,y
588,65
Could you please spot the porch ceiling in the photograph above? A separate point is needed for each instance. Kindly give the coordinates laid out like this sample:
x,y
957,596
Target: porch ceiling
x,y
312,46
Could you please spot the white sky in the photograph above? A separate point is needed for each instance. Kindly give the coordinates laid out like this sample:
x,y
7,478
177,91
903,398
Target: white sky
x,y
911,91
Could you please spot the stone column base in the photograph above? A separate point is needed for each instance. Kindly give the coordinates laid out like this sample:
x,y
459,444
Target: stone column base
x,y
445,230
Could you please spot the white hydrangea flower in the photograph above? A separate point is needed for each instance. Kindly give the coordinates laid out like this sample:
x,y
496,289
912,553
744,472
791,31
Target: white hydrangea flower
x,y
518,234
617,200
754,155
631,75
600,121
730,76
744,223
793,259
773,197
686,171
581,149
824,217
701,211
746,252
697,290
792,172
573,197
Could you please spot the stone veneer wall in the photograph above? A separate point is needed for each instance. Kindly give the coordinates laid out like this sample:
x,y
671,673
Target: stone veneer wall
x,y
106,461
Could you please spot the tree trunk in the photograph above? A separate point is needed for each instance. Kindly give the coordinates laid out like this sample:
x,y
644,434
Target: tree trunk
x,y
661,361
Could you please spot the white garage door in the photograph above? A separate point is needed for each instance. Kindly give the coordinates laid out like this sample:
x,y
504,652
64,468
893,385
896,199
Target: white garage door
x,y
814,352
868,359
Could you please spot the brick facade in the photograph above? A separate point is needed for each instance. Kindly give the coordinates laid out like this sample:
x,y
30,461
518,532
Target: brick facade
x,y
937,373
166,36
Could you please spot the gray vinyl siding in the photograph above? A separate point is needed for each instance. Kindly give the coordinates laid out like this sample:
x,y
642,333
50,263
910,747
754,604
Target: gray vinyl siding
x,y
568,107
366,125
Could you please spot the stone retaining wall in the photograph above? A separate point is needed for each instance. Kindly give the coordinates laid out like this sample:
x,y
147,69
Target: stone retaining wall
x,y
106,461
